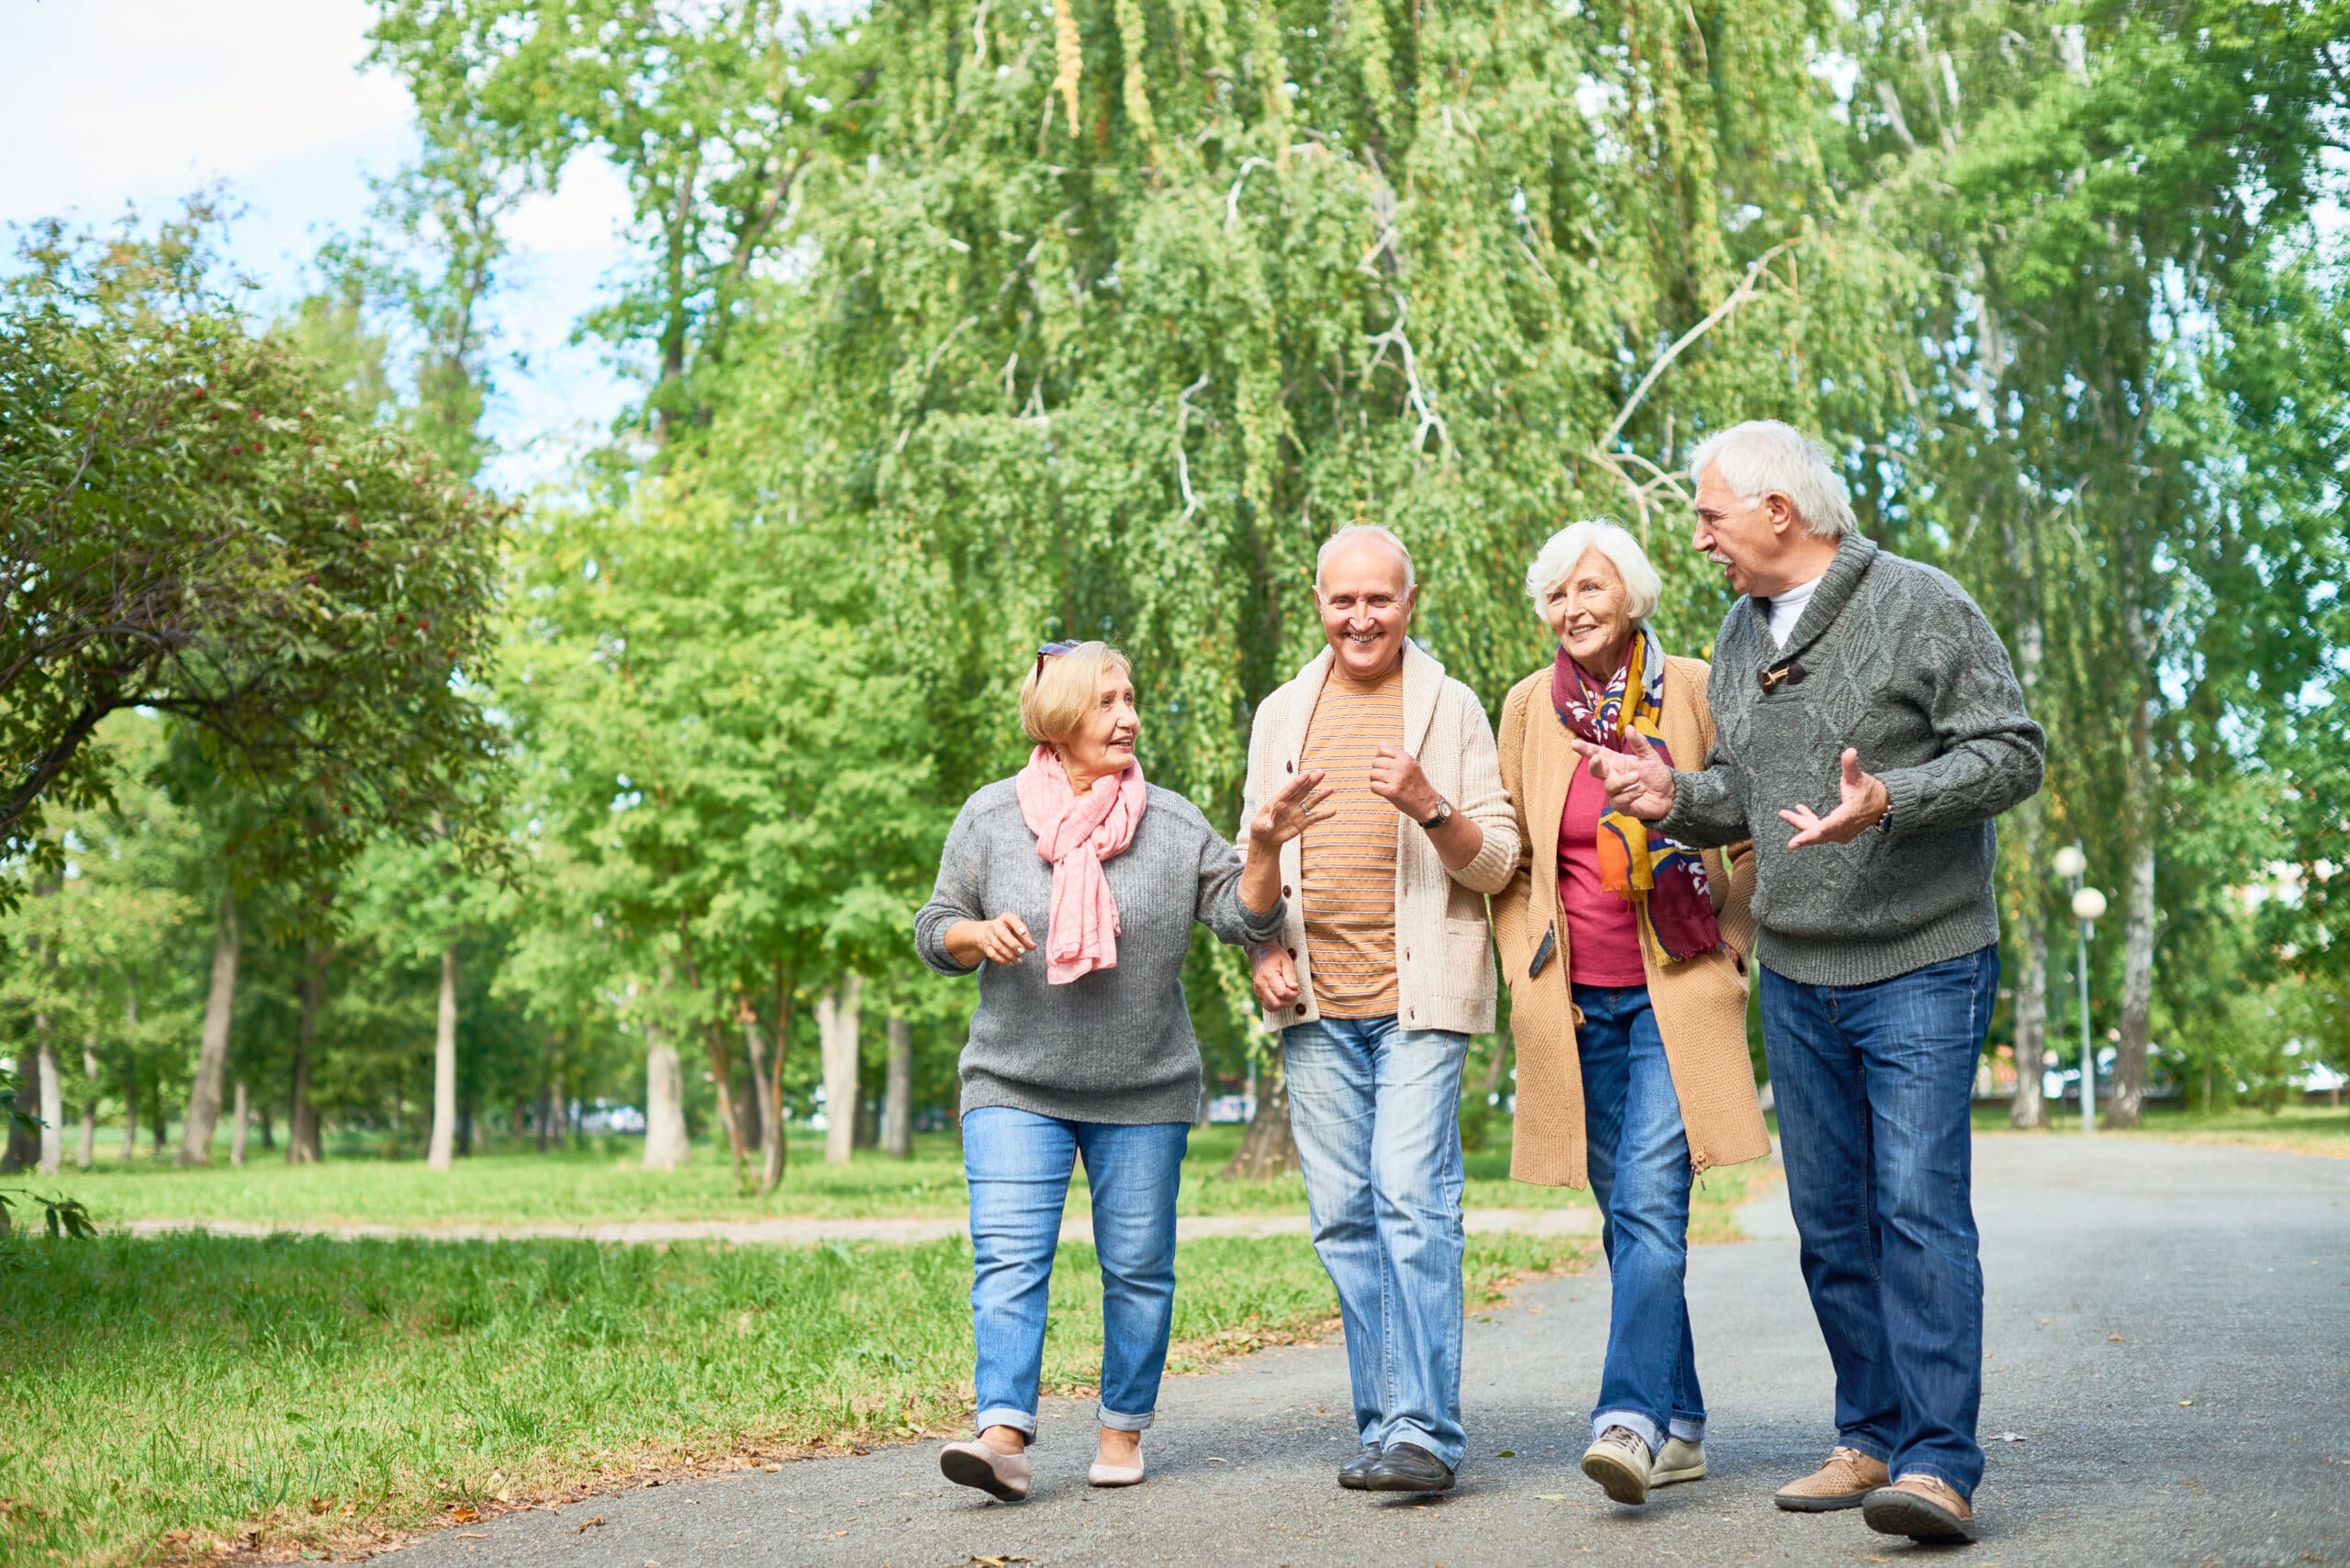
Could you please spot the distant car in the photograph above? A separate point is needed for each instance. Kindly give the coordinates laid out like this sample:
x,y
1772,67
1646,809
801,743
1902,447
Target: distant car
x,y
1228,1108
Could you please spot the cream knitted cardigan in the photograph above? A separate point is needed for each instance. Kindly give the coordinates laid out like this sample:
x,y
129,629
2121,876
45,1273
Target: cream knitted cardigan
x,y
1444,956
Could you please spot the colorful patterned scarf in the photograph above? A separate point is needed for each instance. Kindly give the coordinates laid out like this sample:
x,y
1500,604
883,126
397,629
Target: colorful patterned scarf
x,y
1637,863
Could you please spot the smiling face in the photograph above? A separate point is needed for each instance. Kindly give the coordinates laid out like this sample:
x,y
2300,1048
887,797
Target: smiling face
x,y
1366,608
1760,544
1103,741
1590,613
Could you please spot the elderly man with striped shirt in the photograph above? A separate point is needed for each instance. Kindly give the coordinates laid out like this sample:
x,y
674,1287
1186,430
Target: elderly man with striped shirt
x,y
1381,972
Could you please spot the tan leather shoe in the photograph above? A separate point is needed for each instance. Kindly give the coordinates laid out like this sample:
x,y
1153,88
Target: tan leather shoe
x,y
1844,1482
1922,1508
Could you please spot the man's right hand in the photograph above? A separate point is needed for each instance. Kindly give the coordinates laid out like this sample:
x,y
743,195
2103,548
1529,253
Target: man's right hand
x,y
1274,974
1639,782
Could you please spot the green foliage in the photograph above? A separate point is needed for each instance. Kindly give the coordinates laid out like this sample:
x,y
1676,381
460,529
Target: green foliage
x,y
198,524
61,1218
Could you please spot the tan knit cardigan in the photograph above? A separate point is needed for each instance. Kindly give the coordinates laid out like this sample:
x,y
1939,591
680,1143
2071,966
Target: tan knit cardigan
x,y
1700,1004
1444,959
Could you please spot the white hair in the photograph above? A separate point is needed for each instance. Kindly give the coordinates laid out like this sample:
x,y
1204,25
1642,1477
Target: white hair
x,y
1765,457
1557,558
1355,530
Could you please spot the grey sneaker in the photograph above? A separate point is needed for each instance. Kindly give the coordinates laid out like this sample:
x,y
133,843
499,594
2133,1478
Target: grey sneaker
x,y
1620,1462
1678,1461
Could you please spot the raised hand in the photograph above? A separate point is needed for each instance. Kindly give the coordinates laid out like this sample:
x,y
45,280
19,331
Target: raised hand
x,y
1292,808
1639,782
1274,974
998,941
1863,805
1396,778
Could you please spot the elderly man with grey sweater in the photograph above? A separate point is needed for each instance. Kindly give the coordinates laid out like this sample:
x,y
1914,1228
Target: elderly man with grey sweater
x,y
1851,682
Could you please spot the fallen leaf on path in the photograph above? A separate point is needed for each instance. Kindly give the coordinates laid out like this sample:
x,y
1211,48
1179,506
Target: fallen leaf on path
x,y
997,1561
591,1524
2008,1438
464,1513
2115,1340
471,1535
1550,1496
2187,1402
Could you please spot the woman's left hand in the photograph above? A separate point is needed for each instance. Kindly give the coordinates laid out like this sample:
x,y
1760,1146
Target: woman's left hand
x,y
1295,807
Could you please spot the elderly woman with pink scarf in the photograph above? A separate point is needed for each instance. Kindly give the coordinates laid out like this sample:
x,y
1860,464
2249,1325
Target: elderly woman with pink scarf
x,y
1083,1049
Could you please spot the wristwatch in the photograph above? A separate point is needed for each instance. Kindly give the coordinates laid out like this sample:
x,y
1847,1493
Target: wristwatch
x,y
1443,815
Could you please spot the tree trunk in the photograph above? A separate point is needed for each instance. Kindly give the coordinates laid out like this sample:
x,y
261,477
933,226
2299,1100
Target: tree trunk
x,y
24,1140
89,1156
2030,1107
547,1073
721,1077
836,1030
52,1106
664,1103
772,1127
441,1152
302,1145
754,1052
898,1093
242,1118
268,1126
2137,987
130,1069
1268,1148
212,1058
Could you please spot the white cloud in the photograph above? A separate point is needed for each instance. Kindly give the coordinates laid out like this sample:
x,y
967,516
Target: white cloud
x,y
587,213
106,101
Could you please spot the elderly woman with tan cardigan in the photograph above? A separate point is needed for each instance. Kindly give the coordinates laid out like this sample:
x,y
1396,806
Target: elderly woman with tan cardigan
x,y
1624,952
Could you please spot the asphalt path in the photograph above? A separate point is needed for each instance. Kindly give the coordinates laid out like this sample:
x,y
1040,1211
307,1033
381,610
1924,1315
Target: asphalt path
x,y
2166,1382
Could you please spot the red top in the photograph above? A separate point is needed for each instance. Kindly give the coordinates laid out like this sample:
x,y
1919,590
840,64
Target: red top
x,y
1603,930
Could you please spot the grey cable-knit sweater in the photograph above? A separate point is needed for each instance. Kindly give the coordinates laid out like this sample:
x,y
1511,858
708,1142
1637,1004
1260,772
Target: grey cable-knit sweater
x,y
1893,658
1117,1045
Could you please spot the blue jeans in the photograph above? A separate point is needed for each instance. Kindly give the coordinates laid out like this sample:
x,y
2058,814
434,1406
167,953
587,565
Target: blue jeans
x,y
1639,1155
1017,1164
1873,1084
1377,1114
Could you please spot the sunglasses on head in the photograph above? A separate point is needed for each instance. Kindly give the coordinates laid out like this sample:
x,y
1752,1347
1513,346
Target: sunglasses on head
x,y
1051,651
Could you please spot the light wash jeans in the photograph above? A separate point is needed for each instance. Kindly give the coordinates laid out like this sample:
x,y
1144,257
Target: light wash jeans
x,y
1638,1152
1873,1084
1017,1164
1377,1114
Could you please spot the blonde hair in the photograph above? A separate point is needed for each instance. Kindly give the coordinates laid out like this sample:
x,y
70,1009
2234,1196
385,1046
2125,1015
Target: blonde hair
x,y
1642,587
1061,689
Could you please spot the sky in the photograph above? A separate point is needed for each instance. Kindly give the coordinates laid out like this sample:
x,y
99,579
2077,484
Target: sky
x,y
105,103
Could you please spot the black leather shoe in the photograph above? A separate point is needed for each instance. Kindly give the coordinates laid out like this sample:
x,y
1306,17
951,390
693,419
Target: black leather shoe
x,y
1350,1475
1407,1467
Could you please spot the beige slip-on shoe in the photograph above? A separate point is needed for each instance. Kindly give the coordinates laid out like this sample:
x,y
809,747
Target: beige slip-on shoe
x,y
1844,1482
1003,1476
1100,1475
1923,1507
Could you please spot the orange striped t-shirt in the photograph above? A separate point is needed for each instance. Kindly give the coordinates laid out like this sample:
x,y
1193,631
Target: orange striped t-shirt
x,y
1347,866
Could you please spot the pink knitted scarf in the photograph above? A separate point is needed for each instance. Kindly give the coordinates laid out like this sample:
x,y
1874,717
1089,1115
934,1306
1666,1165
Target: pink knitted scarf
x,y
1077,833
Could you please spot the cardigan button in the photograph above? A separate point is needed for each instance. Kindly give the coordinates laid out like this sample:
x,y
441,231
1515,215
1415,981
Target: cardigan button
x,y
1293,952
1284,889
1289,767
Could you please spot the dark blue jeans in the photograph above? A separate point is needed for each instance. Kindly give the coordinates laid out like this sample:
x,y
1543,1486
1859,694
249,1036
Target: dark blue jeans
x,y
1638,1152
1873,1084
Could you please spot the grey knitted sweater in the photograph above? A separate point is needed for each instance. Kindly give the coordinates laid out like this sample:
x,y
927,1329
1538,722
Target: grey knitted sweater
x,y
1117,1045
1890,657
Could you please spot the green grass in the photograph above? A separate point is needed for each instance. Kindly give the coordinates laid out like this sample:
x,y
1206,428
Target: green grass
x,y
2298,1128
606,1184
294,1391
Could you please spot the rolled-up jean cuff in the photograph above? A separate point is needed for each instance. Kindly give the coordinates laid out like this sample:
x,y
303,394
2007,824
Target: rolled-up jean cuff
x,y
1647,1430
1117,1423
1021,1422
1687,1430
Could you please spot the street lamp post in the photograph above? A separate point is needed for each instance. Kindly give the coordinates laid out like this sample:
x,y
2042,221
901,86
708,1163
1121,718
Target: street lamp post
x,y
2089,906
